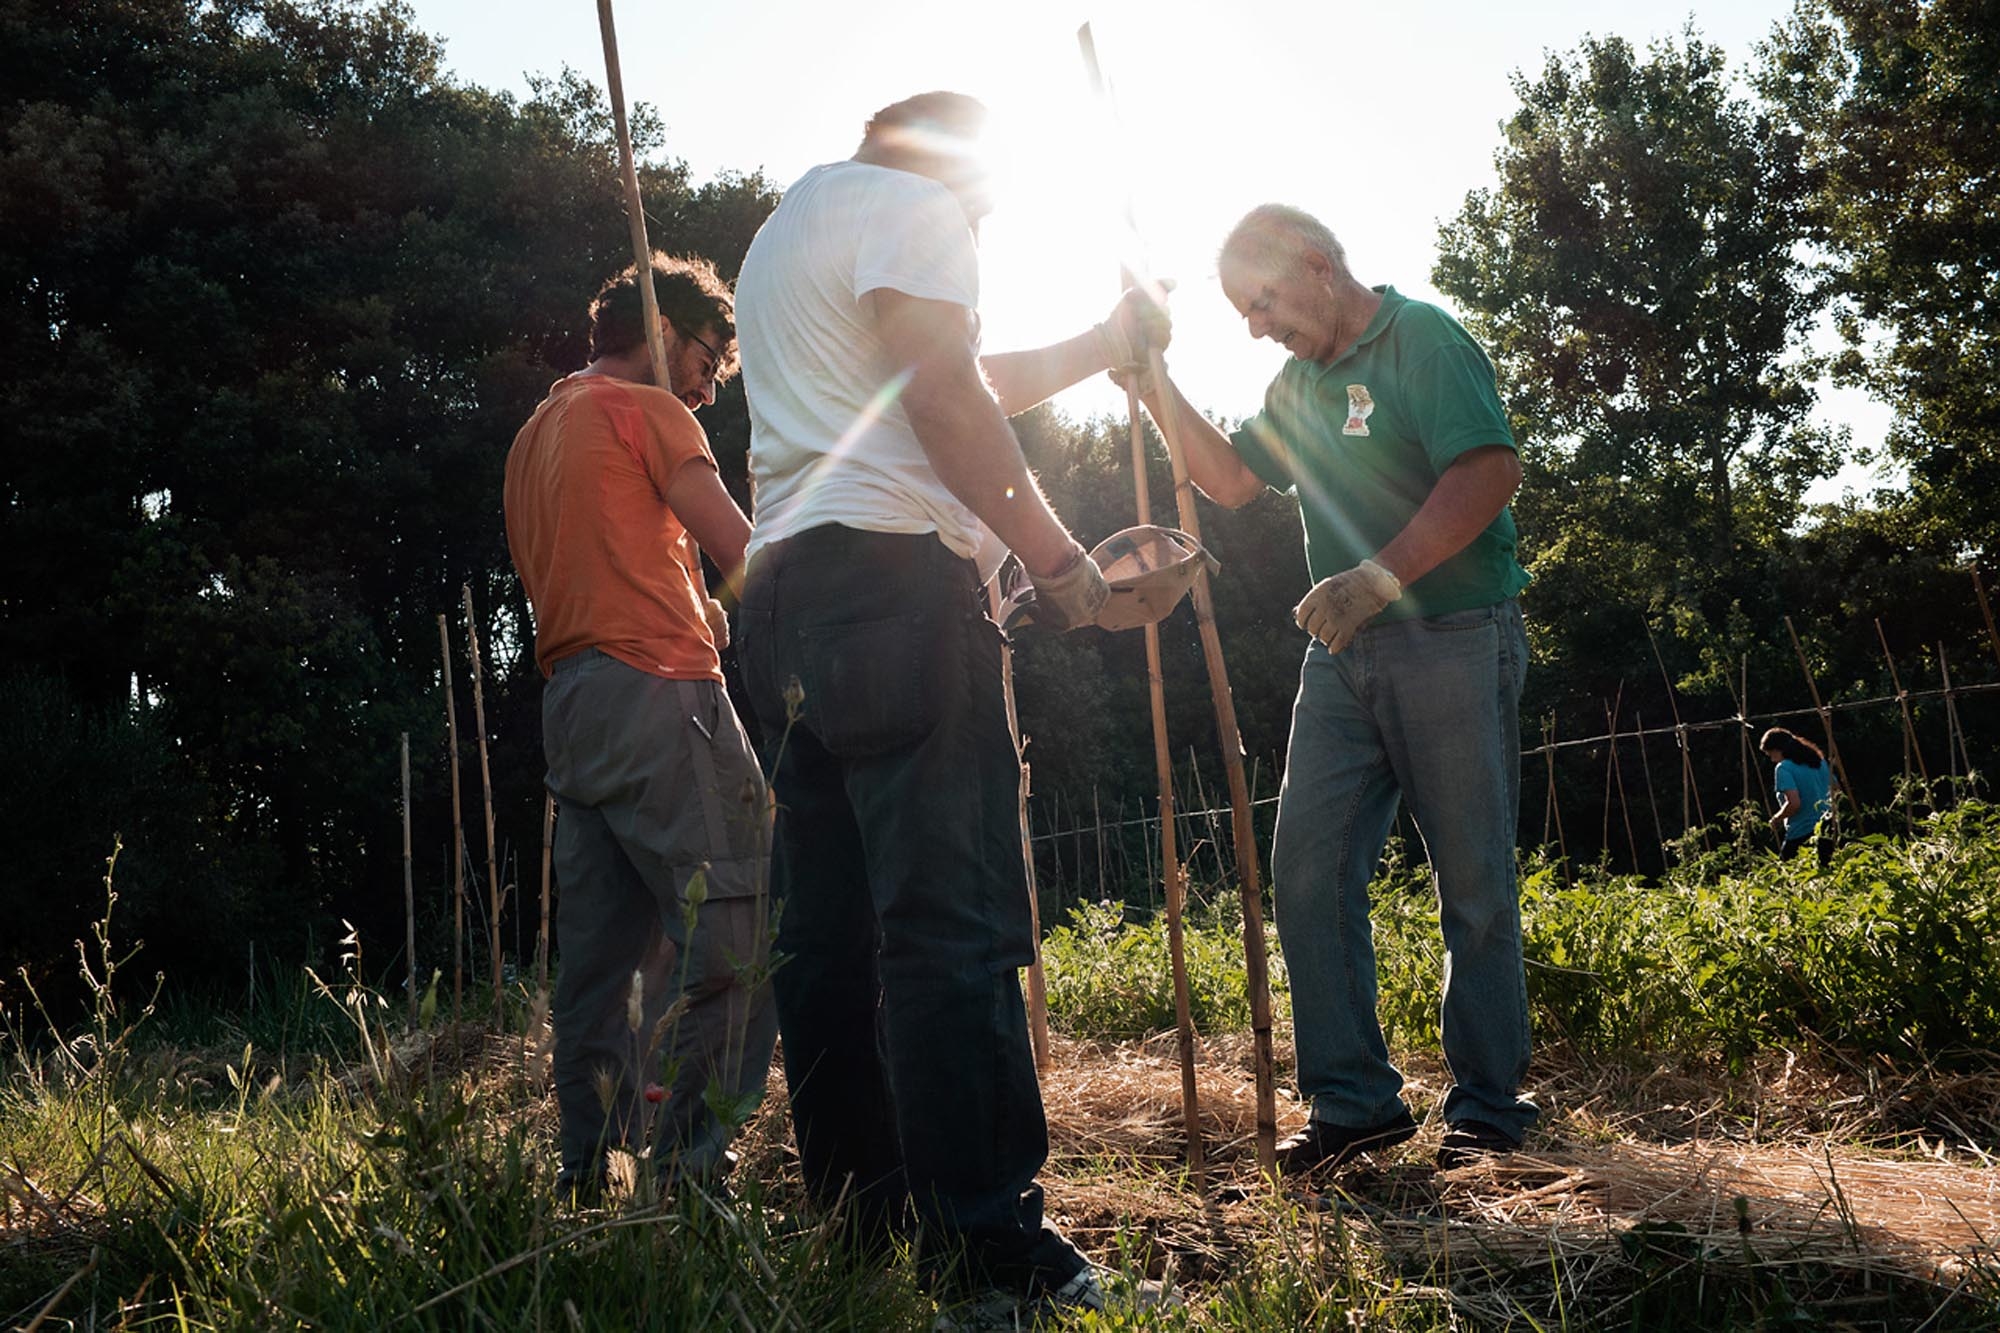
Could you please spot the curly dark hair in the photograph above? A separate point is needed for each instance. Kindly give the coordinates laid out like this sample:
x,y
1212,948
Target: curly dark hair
x,y
1793,746
692,295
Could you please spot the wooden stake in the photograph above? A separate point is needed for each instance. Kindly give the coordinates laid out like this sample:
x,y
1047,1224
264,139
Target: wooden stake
x,y
1173,875
1249,876
1956,728
457,835
635,210
1825,715
1690,793
1555,806
1910,745
1646,765
1038,985
1618,772
1986,610
542,937
486,785
409,887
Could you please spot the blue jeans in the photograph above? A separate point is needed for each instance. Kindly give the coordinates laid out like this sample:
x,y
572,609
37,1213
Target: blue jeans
x,y
1426,711
903,898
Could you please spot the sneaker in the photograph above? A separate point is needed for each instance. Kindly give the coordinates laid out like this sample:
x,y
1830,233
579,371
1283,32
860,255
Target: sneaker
x,y
1472,1141
1322,1144
998,1311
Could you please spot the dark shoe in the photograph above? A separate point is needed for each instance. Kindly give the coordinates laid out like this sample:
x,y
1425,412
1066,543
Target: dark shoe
x,y
581,1189
1472,1141
1322,1144
999,1311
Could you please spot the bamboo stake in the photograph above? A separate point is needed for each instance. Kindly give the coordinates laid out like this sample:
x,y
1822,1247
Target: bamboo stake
x,y
1910,745
1173,873
486,784
542,937
1038,985
1986,610
1825,714
635,211
1689,791
1954,727
1618,772
1555,806
457,835
1743,732
1646,766
409,887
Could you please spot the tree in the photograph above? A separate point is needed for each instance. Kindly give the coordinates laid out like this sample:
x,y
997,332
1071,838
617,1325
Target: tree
x,y
1898,102
1637,276
279,293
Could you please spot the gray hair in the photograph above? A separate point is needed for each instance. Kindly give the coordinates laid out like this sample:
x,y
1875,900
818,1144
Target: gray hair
x,y
1273,235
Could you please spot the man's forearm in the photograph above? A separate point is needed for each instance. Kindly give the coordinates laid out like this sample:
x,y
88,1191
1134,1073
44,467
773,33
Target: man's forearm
x,y
1022,379
1469,495
976,456
1213,463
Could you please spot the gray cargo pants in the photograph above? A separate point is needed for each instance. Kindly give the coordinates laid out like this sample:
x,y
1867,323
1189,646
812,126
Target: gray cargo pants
x,y
661,853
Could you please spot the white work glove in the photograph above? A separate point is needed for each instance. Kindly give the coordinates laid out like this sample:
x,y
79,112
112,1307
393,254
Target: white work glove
x,y
717,617
1336,609
1137,326
1071,596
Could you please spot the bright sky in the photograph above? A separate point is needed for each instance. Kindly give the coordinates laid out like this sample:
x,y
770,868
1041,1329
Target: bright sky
x,y
1377,118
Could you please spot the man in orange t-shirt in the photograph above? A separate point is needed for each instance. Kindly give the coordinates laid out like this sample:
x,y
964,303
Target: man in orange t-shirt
x,y
660,848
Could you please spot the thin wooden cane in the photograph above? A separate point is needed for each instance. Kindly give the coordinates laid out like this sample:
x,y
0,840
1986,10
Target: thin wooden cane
x,y
1825,713
1743,732
457,835
1249,876
1986,611
1562,842
409,887
548,849
1618,773
1910,745
1652,800
1951,717
486,785
635,212
1038,984
1173,875
1690,792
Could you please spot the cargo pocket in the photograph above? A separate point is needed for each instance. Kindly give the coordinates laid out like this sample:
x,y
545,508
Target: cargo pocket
x,y
874,687
731,796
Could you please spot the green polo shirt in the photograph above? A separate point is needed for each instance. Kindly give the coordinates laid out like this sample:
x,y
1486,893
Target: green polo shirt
x,y
1362,442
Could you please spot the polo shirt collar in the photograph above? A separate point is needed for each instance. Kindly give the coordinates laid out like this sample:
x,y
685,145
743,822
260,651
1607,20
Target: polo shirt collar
x,y
1392,301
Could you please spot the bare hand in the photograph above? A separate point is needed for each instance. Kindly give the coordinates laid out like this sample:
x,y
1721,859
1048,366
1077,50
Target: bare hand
x,y
718,621
1336,609
1137,326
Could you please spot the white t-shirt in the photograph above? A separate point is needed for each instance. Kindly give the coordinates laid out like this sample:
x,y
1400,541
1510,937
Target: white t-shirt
x,y
829,441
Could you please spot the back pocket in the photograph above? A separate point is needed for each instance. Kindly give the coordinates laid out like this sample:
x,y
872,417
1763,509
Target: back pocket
x,y
875,686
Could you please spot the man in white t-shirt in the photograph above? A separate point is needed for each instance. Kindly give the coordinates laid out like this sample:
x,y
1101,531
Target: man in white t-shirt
x,y
889,487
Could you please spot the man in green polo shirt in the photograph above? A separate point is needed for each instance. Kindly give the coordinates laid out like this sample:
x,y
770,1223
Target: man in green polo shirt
x,y
1386,426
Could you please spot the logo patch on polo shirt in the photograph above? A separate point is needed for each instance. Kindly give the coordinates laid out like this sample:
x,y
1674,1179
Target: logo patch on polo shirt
x,y
1359,408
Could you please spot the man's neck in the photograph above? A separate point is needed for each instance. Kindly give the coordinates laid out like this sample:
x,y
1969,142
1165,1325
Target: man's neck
x,y
1355,310
634,369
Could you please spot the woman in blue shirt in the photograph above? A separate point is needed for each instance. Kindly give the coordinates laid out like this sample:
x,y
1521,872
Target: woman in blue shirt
x,y
1804,785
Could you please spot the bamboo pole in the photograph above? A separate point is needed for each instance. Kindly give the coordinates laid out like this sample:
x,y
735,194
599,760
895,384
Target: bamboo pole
x,y
457,834
1743,732
635,211
1646,766
486,785
409,887
542,937
1248,874
1555,806
1910,745
1955,729
1173,874
1825,715
1618,772
1038,984
1986,611
1689,790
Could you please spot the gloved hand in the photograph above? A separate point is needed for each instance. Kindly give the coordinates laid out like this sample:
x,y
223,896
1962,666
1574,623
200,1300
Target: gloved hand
x,y
1137,326
1071,596
1138,378
1336,609
718,621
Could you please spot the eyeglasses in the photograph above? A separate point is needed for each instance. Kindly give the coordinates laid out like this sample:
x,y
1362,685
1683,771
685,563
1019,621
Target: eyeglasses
x,y
714,357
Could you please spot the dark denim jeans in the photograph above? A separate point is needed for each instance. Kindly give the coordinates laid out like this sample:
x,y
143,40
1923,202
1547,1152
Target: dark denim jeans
x,y
902,896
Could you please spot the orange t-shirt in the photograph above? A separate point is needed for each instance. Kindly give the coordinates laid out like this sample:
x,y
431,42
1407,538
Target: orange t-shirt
x,y
606,563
